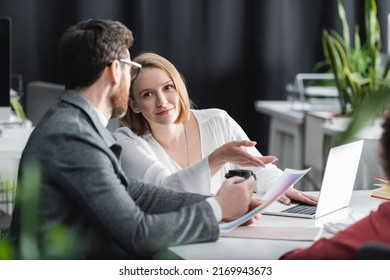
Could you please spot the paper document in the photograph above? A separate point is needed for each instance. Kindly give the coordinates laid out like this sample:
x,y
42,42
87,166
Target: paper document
x,y
276,232
384,189
286,180
336,226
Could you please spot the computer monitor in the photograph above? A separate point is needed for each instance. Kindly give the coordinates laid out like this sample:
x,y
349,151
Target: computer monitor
x,y
5,68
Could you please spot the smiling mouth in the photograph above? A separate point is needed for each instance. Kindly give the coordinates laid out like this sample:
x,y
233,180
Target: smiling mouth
x,y
164,112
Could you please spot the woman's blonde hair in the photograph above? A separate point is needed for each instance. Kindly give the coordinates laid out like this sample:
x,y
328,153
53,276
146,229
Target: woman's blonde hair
x,y
136,121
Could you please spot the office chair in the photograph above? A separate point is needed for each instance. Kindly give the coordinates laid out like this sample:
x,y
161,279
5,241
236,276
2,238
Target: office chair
x,y
40,96
374,251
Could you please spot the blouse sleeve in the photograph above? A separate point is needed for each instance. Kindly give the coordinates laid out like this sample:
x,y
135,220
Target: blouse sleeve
x,y
140,162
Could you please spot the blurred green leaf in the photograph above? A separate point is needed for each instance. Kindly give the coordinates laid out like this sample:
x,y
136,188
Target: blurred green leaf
x,y
54,243
18,108
375,105
29,200
5,250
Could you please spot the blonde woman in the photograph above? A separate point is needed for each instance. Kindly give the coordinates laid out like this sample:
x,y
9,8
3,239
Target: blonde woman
x,y
167,143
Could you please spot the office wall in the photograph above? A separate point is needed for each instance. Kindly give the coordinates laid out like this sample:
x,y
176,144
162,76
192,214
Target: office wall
x,y
231,52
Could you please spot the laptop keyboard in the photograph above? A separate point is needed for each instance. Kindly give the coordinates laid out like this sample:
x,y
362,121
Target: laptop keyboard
x,y
302,209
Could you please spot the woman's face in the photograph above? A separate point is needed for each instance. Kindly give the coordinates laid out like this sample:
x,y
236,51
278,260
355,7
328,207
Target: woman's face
x,y
155,97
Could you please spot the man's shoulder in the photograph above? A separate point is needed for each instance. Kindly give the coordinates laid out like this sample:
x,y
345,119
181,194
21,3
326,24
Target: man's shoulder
x,y
62,126
62,118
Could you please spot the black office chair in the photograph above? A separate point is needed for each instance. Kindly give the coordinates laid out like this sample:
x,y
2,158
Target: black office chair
x,y
374,251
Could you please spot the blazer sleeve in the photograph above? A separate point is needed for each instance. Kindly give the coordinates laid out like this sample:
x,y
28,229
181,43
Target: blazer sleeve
x,y
140,218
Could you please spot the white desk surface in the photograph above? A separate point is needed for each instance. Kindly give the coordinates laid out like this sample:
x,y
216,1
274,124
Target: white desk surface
x,y
266,249
12,143
338,125
281,110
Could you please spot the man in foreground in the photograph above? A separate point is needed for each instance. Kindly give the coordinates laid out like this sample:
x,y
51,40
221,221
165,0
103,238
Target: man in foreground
x,y
84,188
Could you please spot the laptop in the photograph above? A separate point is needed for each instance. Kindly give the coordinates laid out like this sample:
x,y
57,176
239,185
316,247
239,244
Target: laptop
x,y
336,188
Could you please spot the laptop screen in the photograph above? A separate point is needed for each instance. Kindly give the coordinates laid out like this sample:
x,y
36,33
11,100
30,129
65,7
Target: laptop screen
x,y
337,185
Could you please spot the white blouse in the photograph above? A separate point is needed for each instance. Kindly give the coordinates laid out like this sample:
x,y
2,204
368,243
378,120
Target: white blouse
x,y
144,159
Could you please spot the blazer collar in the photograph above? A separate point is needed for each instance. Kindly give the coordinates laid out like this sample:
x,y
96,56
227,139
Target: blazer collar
x,y
76,99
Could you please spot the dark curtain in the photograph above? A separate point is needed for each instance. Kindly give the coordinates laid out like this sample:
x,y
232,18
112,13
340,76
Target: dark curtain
x,y
231,52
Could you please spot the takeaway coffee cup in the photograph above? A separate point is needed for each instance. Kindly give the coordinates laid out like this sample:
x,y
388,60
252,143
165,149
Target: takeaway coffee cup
x,y
244,173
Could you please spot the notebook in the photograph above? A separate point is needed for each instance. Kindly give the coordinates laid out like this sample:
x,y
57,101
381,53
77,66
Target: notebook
x,y
336,188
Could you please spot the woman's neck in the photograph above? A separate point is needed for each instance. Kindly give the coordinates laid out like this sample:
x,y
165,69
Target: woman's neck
x,y
168,135
180,141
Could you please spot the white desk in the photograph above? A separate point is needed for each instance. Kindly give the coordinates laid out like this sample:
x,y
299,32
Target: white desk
x,y
12,143
369,165
265,249
286,132
301,139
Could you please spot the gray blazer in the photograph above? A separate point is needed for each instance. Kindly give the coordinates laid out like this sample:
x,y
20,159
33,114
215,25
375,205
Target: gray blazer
x,y
84,188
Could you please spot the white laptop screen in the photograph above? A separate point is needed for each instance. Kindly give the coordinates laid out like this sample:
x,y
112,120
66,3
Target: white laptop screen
x,y
337,185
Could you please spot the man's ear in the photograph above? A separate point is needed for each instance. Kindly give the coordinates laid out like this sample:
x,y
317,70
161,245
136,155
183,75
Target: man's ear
x,y
133,105
114,72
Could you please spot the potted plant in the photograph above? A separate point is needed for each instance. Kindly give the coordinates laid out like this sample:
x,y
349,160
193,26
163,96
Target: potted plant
x,y
358,69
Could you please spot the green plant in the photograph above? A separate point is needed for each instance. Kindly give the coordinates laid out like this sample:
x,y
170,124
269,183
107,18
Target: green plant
x,y
32,244
18,108
358,71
